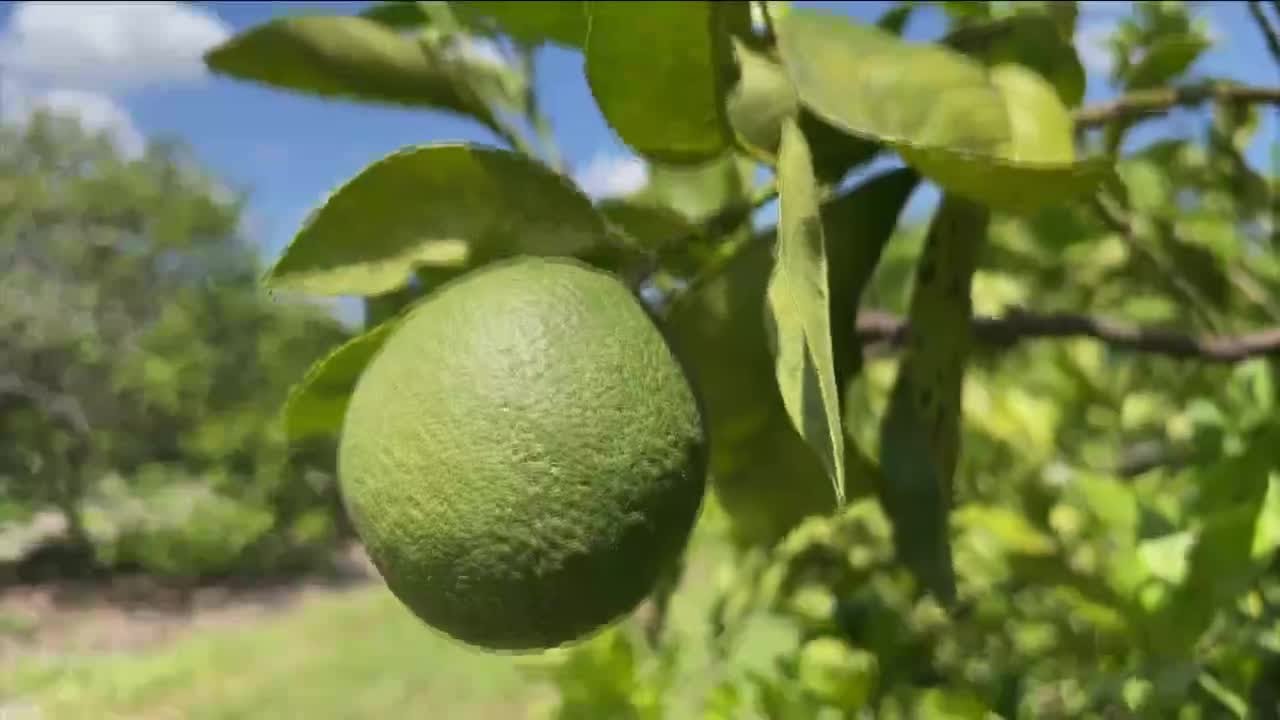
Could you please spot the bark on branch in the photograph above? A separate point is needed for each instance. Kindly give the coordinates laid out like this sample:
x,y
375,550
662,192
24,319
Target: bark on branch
x,y
878,330
1145,103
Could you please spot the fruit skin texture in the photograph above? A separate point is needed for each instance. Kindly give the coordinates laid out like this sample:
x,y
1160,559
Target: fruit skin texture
x,y
524,456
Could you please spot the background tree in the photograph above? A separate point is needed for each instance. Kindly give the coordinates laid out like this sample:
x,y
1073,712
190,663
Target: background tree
x,y
949,519
142,367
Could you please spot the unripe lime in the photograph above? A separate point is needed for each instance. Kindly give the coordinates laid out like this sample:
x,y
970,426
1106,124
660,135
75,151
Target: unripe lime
x,y
524,456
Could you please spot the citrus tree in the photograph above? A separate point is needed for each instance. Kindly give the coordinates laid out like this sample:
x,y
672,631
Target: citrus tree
x,y
1017,457
142,366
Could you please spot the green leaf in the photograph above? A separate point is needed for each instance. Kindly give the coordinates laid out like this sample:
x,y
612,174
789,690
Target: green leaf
x,y
838,674
654,228
658,230
1167,58
799,309
399,15
857,226
347,57
760,102
1220,567
698,192
766,477
1011,529
651,226
317,405
1113,503
1035,40
920,434
873,84
1037,167
1267,537
945,704
1165,557
660,73
950,118
563,22
436,205
763,99
895,19
1225,559
966,11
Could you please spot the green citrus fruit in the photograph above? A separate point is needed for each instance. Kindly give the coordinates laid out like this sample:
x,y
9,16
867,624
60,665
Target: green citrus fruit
x,y
524,456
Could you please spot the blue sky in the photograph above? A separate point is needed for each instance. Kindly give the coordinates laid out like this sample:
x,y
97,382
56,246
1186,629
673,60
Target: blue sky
x,y
133,69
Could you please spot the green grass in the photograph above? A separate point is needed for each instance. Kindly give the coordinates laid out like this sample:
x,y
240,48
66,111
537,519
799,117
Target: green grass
x,y
354,655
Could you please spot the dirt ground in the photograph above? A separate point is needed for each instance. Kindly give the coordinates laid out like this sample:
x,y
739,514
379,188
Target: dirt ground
x,y
127,614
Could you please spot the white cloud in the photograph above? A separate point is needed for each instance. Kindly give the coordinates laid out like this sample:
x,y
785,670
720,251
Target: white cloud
x,y
612,175
73,58
96,112
108,46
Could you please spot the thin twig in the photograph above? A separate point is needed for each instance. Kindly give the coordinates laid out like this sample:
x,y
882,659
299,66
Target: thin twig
x,y
1269,31
1155,102
880,330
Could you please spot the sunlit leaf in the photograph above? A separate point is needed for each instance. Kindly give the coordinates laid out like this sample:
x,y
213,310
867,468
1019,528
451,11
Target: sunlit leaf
x,y
942,111
1034,40
944,704
1224,561
838,674
697,192
763,99
660,73
436,205
766,476
348,57
317,404
1013,531
799,303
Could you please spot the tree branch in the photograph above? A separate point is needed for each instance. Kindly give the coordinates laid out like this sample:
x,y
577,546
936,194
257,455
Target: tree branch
x,y
878,330
1269,31
1161,100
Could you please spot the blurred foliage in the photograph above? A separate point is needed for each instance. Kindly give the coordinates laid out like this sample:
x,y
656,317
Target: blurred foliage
x,y
142,367
1097,529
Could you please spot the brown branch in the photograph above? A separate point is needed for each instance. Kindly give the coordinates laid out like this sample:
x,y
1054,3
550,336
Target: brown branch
x,y
1145,103
880,329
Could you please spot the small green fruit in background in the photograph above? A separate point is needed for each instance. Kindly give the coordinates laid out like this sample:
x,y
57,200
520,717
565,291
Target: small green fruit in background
x,y
524,456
